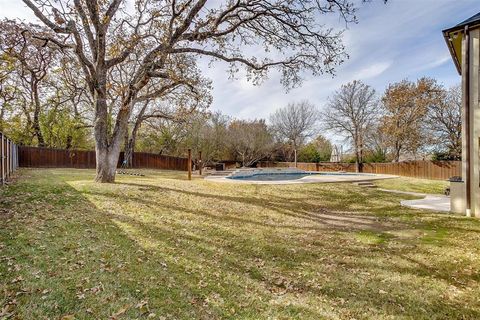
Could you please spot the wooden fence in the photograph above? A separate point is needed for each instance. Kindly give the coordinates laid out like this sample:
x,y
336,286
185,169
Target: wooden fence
x,y
60,158
8,158
435,170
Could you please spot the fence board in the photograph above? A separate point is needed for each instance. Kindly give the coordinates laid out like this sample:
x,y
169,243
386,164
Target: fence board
x,y
8,158
81,159
435,170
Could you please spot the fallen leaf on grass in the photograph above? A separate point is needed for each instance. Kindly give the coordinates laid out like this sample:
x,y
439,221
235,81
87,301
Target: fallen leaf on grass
x,y
119,313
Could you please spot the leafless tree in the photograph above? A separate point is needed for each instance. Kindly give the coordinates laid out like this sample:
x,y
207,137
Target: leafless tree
x,y
405,108
104,34
351,111
171,99
69,96
295,123
8,89
207,132
32,59
251,141
444,120
176,102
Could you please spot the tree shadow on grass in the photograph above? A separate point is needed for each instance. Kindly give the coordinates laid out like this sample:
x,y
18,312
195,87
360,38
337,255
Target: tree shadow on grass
x,y
279,207
207,263
321,220
295,208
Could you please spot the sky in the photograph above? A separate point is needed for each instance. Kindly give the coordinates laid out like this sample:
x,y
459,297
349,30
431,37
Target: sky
x,y
391,42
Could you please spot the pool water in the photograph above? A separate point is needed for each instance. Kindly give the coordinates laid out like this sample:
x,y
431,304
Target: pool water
x,y
272,177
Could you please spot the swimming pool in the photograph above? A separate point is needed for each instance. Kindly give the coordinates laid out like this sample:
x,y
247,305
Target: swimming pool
x,y
272,176
292,176
284,174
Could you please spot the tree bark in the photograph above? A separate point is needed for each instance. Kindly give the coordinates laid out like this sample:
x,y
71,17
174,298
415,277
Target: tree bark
x,y
37,132
398,149
107,152
129,150
131,141
358,156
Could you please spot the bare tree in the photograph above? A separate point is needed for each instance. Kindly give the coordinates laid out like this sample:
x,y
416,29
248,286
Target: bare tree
x,y
207,133
295,123
176,102
251,141
406,106
68,99
8,89
351,111
376,142
104,34
172,99
33,60
444,120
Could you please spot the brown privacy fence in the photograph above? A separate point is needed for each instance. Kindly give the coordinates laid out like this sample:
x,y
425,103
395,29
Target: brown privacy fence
x,y
308,166
59,158
8,158
435,170
13,156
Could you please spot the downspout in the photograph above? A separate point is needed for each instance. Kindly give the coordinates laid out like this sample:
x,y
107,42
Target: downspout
x,y
467,124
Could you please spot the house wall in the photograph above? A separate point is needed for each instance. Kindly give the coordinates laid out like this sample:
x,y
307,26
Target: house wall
x,y
474,112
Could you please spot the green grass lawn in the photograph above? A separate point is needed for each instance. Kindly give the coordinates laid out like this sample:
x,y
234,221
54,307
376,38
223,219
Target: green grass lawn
x,y
162,247
414,185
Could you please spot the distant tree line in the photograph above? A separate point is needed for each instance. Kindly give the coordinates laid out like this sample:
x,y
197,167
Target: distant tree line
x,y
44,102
411,120
137,61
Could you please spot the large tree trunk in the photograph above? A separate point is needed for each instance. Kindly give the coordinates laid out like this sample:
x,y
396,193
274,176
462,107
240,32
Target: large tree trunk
x,y
106,165
2,113
37,132
108,152
68,144
357,161
129,150
131,141
397,150
358,154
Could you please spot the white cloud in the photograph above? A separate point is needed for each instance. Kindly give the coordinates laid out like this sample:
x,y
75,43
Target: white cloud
x,y
372,71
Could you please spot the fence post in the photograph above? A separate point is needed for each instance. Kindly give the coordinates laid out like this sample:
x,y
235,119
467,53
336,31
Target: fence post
x,y
2,166
7,159
11,157
16,156
189,165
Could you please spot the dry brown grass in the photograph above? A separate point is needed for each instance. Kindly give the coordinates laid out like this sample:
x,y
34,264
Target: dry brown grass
x,y
163,247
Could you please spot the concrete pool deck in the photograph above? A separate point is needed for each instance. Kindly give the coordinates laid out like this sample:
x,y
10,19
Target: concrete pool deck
x,y
320,178
438,203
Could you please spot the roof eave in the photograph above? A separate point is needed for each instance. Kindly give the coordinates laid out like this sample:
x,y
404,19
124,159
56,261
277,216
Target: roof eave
x,y
458,28
446,36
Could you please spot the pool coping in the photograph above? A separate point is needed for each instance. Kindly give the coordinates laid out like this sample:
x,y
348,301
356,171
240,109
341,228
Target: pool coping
x,y
333,178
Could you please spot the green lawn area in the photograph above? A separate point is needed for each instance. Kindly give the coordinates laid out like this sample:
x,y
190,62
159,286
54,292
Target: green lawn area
x,y
162,247
414,185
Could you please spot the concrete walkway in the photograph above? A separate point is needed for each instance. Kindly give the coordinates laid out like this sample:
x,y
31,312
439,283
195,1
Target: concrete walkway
x,y
434,202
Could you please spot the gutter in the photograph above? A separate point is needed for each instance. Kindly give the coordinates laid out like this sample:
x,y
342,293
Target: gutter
x,y
467,122
446,36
